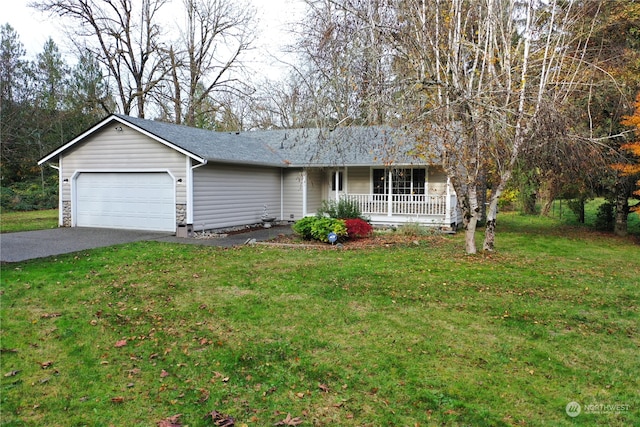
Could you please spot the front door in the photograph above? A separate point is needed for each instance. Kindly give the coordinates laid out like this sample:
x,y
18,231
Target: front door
x,y
336,184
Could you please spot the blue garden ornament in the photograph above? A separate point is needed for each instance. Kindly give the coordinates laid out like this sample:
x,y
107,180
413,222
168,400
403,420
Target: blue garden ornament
x,y
332,237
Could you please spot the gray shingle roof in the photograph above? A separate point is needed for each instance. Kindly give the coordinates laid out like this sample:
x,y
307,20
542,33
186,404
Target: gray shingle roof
x,y
345,146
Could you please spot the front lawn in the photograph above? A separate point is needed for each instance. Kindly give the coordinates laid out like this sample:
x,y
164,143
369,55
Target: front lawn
x,y
29,220
151,333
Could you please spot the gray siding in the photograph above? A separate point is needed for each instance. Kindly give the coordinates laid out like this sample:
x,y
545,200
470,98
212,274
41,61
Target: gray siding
x,y
292,203
126,150
359,180
230,195
315,184
294,192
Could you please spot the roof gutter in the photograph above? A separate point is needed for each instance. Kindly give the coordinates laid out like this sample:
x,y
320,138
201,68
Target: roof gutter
x,y
204,162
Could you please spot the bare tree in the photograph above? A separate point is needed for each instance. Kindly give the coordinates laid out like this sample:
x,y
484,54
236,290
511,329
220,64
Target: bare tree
x,y
125,37
216,35
344,54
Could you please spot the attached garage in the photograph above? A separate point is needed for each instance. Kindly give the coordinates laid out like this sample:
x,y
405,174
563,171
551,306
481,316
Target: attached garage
x,y
127,200
137,174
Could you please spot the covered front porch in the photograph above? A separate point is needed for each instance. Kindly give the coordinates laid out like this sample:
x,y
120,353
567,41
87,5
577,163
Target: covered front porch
x,y
398,195
385,195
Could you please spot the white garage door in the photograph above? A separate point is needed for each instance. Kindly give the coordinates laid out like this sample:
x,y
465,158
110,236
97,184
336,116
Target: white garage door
x,y
136,201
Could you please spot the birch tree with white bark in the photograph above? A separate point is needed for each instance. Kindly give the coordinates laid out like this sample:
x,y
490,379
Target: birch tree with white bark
x,y
477,74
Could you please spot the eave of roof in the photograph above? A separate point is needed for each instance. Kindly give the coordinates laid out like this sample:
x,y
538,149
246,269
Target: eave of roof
x,y
121,120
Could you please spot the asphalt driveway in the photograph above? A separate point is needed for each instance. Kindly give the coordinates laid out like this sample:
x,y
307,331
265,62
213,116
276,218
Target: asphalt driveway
x,y
15,247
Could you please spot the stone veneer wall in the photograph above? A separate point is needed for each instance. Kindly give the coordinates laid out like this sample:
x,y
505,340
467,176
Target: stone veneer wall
x,y
181,213
66,213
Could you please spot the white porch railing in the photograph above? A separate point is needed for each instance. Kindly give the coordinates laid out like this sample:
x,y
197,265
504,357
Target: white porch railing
x,y
400,204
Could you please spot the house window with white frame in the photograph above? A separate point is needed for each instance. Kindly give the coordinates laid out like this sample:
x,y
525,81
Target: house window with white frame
x,y
403,181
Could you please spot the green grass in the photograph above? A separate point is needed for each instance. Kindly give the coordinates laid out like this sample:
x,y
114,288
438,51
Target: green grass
x,y
398,336
11,222
562,212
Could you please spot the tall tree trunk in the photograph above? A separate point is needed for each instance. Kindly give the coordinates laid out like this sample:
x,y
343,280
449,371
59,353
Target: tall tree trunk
x,y
622,208
490,227
470,213
492,214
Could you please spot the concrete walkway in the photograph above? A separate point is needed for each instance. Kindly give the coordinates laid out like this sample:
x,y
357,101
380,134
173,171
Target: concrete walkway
x,y
15,247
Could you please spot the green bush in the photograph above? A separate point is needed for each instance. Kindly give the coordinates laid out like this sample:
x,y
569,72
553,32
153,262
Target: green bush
x,y
29,196
508,199
605,217
318,228
303,227
343,209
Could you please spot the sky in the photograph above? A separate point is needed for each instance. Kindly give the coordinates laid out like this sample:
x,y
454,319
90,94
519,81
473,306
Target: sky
x,y
34,27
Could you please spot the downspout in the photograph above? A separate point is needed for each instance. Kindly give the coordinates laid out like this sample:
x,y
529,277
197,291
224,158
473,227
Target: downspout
x,y
304,193
190,188
60,209
281,194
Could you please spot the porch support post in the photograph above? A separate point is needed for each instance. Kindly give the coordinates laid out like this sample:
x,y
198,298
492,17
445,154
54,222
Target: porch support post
x,y
447,213
304,193
390,194
336,184
345,181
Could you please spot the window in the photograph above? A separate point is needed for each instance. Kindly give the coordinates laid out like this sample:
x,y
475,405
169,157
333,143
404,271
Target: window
x,y
405,181
333,181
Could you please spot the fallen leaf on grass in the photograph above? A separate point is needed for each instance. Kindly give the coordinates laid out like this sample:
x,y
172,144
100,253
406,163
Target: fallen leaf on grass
x,y
8,350
134,371
288,421
220,419
204,395
164,374
47,364
170,422
11,374
120,343
50,315
117,399
324,387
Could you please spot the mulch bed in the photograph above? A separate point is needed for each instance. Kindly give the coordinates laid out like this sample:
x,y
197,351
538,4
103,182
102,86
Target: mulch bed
x,y
377,240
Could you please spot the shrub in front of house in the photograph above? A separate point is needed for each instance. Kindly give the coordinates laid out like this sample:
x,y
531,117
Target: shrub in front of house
x,y
358,228
318,228
343,209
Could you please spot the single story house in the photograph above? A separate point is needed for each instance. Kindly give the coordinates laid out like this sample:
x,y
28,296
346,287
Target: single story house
x,y
133,173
